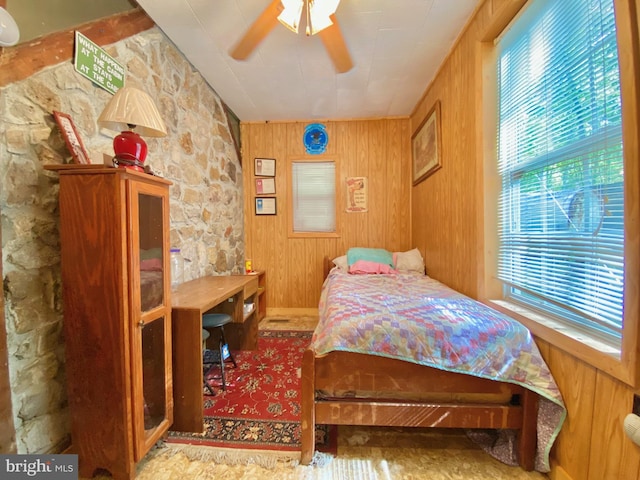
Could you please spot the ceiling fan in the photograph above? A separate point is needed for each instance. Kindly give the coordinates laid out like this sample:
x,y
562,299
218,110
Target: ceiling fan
x,y
320,18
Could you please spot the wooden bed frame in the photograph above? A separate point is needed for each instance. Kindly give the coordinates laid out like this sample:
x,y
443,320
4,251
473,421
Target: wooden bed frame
x,y
354,372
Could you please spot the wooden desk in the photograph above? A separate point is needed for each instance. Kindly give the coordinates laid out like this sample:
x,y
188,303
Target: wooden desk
x,y
190,300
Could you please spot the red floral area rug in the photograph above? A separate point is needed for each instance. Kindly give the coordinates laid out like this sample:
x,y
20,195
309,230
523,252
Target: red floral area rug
x,y
260,408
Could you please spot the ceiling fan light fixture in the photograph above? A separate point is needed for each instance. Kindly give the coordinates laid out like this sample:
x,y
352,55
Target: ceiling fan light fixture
x,y
291,14
318,14
319,17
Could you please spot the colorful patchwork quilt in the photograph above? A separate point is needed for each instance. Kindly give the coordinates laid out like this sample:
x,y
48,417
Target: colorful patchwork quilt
x,y
417,319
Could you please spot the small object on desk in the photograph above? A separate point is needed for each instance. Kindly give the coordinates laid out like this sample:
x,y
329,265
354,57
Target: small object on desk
x,y
247,266
177,267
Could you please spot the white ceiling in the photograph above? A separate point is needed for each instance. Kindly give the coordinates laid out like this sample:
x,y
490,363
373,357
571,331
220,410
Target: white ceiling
x,y
397,47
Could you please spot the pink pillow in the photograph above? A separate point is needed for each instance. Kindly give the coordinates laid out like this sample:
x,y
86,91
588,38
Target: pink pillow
x,y
151,264
366,267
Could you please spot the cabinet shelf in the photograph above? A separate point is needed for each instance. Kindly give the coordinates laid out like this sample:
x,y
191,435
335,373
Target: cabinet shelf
x,y
261,299
250,312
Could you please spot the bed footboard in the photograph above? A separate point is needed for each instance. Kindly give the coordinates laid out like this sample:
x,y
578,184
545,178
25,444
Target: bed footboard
x,y
350,372
308,410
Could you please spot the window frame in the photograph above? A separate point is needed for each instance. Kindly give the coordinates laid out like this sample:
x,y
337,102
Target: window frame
x,y
290,204
622,364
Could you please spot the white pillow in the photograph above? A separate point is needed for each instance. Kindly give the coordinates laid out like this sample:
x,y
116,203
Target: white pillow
x,y
341,263
409,262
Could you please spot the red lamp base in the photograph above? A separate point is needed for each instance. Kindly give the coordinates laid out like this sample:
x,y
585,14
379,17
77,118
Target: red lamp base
x,y
130,150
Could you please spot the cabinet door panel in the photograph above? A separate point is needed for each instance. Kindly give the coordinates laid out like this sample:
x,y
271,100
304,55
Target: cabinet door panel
x,y
154,374
150,306
150,250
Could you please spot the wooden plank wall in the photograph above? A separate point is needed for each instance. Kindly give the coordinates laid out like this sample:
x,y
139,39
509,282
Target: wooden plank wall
x,y
376,149
592,444
444,206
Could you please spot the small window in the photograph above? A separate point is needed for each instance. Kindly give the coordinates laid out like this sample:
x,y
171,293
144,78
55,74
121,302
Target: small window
x,y
314,196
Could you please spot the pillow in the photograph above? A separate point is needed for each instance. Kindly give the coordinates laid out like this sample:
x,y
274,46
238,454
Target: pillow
x,y
151,253
409,262
341,263
369,260
151,264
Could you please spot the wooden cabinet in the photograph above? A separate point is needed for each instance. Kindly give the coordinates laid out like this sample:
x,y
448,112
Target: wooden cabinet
x,y
114,231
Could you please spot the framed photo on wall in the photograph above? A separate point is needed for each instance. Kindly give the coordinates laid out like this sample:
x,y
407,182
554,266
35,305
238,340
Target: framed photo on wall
x,y
264,167
265,186
265,205
425,146
71,138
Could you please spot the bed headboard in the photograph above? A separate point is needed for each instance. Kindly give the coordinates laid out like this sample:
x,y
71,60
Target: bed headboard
x,y
326,267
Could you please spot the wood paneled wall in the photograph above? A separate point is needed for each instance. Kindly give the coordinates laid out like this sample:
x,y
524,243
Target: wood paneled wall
x,y
592,444
444,205
376,149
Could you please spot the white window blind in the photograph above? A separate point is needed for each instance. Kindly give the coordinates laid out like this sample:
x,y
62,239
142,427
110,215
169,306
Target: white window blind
x,y
314,196
561,207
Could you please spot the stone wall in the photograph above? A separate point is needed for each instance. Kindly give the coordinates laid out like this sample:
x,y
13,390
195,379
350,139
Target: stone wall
x,y
198,156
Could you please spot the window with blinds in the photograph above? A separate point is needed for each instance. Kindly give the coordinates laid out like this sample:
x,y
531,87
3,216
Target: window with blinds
x,y
561,209
314,196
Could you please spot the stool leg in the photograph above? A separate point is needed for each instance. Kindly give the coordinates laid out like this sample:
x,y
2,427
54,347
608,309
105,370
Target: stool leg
x,y
206,384
224,341
221,346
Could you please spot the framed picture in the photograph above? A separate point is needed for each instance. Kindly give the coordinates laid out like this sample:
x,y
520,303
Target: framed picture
x,y
425,146
71,138
264,167
265,205
265,186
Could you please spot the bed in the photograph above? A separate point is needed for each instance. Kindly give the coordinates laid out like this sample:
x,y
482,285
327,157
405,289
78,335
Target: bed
x,y
397,348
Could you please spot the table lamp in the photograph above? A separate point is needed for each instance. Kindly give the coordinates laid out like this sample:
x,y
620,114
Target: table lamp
x,y
131,109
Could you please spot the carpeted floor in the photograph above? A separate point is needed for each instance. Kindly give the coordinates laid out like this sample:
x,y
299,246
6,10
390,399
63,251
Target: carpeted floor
x,y
364,453
260,407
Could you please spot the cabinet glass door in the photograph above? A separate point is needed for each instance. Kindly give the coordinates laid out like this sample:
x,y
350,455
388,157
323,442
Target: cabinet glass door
x,y
150,229
150,313
153,375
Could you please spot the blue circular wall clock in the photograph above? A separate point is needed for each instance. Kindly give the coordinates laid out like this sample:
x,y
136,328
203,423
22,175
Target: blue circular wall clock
x,y
315,138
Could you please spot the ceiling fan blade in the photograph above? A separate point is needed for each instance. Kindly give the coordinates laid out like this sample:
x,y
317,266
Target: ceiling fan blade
x,y
257,31
336,47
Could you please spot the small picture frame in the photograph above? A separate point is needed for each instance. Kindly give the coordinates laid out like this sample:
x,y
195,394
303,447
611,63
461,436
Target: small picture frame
x,y
425,146
264,167
265,186
71,138
265,205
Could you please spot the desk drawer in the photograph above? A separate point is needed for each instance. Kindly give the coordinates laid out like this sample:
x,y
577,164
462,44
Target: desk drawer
x,y
251,288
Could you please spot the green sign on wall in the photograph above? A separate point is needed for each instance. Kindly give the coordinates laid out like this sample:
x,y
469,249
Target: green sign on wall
x,y
97,65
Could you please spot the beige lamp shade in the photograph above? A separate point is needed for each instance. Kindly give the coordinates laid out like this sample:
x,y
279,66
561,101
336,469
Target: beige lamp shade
x,y
131,108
